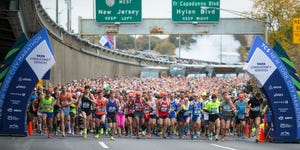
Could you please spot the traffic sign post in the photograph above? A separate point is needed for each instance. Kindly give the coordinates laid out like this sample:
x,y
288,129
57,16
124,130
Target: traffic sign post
x,y
195,10
110,11
296,30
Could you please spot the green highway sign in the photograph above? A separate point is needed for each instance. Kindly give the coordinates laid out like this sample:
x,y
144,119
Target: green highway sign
x,y
195,10
109,11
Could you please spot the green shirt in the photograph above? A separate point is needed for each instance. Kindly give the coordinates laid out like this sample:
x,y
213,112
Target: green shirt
x,y
213,107
46,104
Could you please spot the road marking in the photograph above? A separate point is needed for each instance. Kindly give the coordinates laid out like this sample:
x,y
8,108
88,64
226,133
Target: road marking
x,y
103,144
223,147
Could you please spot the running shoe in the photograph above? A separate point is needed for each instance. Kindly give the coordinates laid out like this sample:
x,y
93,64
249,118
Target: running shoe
x,y
49,135
101,131
198,135
164,135
69,131
112,138
143,133
97,136
203,134
149,136
192,136
222,139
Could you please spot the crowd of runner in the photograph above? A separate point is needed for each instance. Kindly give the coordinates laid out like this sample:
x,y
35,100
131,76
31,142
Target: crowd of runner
x,y
183,107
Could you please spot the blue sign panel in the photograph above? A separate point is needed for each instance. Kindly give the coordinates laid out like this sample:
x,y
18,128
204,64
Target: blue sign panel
x,y
33,61
272,77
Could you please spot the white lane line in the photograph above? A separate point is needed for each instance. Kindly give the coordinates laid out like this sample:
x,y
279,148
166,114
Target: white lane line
x,y
103,144
223,147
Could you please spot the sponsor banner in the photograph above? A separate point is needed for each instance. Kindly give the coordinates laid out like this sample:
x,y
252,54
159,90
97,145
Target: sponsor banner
x,y
30,65
281,53
272,77
11,55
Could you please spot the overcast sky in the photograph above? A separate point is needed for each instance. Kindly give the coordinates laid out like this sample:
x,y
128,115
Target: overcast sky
x,y
150,8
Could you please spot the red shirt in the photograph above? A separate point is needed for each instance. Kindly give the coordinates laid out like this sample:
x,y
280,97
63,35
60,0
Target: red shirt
x,y
163,109
101,108
64,99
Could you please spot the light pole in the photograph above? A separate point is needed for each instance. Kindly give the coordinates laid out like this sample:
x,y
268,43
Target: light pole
x,y
179,46
69,5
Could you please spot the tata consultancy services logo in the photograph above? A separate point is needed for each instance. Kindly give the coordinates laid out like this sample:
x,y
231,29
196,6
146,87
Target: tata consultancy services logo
x,y
110,3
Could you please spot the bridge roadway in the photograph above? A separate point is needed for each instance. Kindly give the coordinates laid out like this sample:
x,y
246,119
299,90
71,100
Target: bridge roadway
x,y
75,58
156,143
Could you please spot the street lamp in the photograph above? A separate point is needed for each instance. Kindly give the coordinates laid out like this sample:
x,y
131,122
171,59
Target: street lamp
x,y
179,45
57,14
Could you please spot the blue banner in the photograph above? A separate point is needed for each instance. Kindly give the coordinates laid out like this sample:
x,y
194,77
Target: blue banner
x,y
271,75
33,61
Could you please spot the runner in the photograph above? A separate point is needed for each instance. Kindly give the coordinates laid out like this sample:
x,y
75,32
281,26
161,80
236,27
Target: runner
x,y
214,122
33,108
47,104
56,116
100,113
138,112
196,117
65,99
255,106
205,122
111,107
227,109
184,122
153,113
121,115
174,107
241,106
163,113
86,101
129,108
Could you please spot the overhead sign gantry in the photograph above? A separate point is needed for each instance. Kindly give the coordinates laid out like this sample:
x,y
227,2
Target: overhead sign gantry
x,y
123,11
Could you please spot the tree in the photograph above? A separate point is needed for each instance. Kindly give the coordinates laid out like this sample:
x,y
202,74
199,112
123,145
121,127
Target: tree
x,y
165,47
143,42
279,15
125,42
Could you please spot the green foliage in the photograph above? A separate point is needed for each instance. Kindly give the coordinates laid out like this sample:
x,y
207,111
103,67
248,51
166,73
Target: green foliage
x,y
279,15
166,48
125,42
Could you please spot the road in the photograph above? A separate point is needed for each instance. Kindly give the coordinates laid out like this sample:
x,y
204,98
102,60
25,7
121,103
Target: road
x,y
78,143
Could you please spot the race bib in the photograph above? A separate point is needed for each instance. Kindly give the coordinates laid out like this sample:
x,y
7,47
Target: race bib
x,y
138,107
186,113
164,109
214,111
241,116
206,116
256,108
111,109
196,112
101,110
47,106
226,108
64,103
85,105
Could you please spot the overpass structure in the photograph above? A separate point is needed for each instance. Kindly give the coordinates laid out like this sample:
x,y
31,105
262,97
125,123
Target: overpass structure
x,y
77,58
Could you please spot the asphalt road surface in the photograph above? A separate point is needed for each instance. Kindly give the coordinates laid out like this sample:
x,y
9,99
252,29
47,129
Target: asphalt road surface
x,y
39,142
